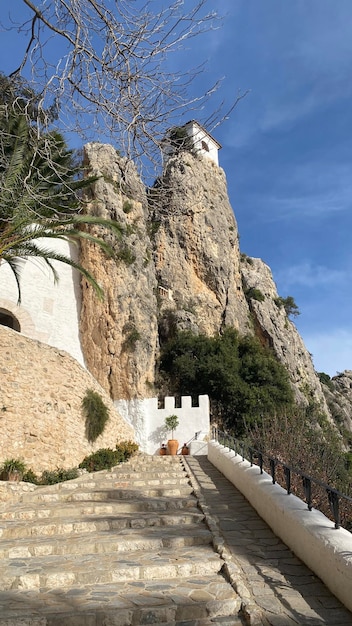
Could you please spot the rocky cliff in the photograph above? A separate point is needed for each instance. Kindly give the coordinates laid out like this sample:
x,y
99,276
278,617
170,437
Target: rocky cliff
x,y
338,394
120,335
179,253
196,249
276,330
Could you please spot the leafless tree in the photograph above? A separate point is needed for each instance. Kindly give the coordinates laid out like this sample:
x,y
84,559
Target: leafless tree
x,y
105,65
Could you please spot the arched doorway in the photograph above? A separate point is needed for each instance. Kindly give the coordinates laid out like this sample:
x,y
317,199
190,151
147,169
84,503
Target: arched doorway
x,y
8,319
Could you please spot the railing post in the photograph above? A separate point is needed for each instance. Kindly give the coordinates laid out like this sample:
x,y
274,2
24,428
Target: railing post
x,y
272,469
251,456
334,506
287,473
307,486
260,460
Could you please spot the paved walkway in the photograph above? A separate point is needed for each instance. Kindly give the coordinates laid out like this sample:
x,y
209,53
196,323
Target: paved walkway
x,y
264,568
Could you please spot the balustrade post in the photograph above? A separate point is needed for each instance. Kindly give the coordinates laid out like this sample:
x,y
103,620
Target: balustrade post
x,y
272,470
307,486
287,473
334,504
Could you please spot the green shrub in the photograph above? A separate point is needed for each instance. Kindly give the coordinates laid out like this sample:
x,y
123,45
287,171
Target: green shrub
x,y
126,449
243,379
132,336
289,305
180,140
105,458
125,255
10,466
30,477
59,475
326,380
246,258
153,228
96,414
254,294
127,206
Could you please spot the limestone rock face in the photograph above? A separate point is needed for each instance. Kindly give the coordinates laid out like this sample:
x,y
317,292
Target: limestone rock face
x,y
274,328
179,267
41,415
119,335
338,393
196,247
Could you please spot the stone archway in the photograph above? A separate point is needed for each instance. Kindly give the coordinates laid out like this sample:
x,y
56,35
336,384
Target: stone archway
x,y
17,317
8,319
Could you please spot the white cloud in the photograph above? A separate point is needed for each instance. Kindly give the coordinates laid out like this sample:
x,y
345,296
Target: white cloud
x,y
309,275
332,350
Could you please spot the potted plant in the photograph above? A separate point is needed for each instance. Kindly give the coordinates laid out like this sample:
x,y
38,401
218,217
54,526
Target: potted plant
x,y
171,423
12,469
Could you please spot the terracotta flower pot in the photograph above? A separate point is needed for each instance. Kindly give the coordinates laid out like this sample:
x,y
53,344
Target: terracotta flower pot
x,y
172,446
185,449
163,450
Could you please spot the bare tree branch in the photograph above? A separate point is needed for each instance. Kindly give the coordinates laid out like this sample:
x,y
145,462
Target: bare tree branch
x,y
106,63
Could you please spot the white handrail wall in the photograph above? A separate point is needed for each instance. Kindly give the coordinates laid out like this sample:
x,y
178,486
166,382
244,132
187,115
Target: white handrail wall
x,y
309,534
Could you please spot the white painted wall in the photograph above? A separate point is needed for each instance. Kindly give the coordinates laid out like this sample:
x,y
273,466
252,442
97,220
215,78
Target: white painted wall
x,y
309,534
148,421
199,135
48,312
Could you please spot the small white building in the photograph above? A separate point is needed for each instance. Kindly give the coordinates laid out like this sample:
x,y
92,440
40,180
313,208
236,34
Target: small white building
x,y
202,142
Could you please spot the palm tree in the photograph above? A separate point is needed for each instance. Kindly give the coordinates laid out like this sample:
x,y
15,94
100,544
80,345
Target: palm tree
x,y
40,198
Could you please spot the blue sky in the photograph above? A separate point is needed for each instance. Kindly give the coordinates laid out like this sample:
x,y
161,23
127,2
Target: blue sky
x,y
287,150
287,154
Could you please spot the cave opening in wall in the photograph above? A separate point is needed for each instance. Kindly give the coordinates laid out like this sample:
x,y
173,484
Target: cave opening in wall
x,y
9,320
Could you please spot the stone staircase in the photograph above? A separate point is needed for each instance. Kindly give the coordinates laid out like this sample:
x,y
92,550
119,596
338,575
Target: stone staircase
x,y
125,547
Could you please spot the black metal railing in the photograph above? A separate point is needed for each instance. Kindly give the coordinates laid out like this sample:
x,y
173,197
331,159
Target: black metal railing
x,y
282,473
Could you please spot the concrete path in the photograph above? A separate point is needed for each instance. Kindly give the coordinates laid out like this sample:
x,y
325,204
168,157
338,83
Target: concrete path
x,y
262,568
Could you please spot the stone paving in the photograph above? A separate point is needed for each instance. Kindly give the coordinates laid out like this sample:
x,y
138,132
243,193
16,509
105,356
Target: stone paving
x,y
122,548
265,572
158,540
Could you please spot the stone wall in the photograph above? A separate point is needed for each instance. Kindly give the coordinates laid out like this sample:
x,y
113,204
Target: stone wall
x,y
41,419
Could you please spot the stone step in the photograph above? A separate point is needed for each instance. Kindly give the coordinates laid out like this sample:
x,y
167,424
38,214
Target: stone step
x,y
61,521
96,507
130,493
118,493
105,541
121,547
63,572
193,600
91,481
115,481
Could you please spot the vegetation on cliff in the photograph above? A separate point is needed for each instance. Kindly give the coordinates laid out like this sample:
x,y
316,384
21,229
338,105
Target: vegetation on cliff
x,y
243,379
